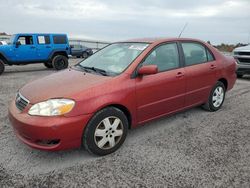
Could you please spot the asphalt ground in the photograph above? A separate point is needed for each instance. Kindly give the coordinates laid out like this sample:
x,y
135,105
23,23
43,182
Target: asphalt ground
x,y
194,148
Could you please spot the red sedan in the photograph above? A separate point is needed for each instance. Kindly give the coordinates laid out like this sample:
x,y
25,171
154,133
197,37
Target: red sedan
x,y
94,103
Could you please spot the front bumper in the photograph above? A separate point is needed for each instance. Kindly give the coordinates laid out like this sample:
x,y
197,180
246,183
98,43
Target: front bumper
x,y
243,68
35,131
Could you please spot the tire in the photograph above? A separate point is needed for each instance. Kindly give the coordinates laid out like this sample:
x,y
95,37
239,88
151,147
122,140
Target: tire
x,y
239,75
97,132
2,66
48,65
85,55
60,62
216,97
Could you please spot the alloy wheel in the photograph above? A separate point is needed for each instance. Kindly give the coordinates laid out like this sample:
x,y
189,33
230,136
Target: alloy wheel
x,y
218,96
108,132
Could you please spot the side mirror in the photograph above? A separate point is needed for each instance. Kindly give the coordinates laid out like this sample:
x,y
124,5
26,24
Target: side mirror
x,y
148,69
18,43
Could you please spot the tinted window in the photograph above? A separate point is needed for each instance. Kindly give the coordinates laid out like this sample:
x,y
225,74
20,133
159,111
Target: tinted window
x,y
25,40
59,39
43,39
166,57
77,46
195,53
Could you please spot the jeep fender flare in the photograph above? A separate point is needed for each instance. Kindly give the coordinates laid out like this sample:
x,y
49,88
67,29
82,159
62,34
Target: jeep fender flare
x,y
61,52
4,58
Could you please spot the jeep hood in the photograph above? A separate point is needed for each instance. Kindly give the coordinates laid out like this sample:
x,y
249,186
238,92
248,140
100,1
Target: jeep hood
x,y
64,84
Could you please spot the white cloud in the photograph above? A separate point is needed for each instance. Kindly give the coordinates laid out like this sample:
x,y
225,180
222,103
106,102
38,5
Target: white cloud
x,y
122,19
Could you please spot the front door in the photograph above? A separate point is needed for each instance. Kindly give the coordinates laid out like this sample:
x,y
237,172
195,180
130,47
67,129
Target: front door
x,y
164,92
26,51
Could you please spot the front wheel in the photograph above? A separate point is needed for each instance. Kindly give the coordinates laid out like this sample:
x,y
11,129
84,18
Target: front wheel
x,y
60,62
2,67
239,75
106,131
216,98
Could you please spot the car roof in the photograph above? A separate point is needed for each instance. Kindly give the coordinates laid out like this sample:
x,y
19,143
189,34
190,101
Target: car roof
x,y
160,40
39,34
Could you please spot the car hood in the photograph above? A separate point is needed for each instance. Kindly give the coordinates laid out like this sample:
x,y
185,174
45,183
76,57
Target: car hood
x,y
5,46
64,84
244,48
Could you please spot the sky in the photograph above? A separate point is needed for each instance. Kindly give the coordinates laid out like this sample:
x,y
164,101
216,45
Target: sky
x,y
218,21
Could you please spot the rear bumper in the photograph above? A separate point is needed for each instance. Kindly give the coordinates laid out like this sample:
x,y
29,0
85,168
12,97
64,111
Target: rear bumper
x,y
35,131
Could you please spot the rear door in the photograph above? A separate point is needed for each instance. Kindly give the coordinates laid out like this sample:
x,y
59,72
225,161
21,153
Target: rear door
x,y
200,69
44,47
164,92
60,43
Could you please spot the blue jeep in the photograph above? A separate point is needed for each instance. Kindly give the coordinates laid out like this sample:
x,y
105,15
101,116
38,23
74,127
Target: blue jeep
x,y
50,49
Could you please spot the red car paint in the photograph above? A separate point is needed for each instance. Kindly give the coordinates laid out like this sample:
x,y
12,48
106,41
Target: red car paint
x,y
142,98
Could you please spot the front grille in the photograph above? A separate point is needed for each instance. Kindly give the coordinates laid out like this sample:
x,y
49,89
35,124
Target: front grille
x,y
244,60
243,53
21,102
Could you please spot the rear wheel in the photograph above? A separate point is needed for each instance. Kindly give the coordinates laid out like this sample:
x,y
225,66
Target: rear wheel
x,y
60,62
106,131
85,55
2,67
48,65
216,98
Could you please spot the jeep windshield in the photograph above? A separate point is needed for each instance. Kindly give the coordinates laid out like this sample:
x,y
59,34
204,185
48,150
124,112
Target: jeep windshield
x,y
12,38
113,59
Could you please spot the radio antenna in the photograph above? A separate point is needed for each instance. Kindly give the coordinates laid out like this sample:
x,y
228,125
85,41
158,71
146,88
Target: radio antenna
x,y
183,29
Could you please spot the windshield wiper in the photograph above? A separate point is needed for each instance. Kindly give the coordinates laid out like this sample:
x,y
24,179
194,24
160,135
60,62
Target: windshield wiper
x,y
100,71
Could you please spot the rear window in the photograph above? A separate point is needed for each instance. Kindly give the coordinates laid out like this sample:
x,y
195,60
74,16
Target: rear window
x,y
43,39
60,39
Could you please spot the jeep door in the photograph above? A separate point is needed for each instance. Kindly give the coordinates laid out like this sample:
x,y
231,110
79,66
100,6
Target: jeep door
x,y
44,47
164,92
26,50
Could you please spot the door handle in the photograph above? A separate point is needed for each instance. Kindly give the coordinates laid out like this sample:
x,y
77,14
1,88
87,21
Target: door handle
x,y
179,74
48,46
32,47
212,66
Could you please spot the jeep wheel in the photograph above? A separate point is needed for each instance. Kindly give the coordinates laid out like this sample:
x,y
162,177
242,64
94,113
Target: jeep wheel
x,y
85,55
48,65
2,67
60,62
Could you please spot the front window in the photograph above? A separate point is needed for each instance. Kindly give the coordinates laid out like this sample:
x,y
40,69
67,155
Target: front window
x,y
115,58
25,40
166,57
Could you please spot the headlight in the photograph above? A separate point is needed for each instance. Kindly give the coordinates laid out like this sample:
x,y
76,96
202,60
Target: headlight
x,y
52,107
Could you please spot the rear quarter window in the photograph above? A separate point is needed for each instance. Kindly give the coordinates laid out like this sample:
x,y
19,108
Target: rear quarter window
x,y
60,39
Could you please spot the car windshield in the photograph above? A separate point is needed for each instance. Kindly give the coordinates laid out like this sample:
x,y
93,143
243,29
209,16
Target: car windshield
x,y
113,59
12,38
